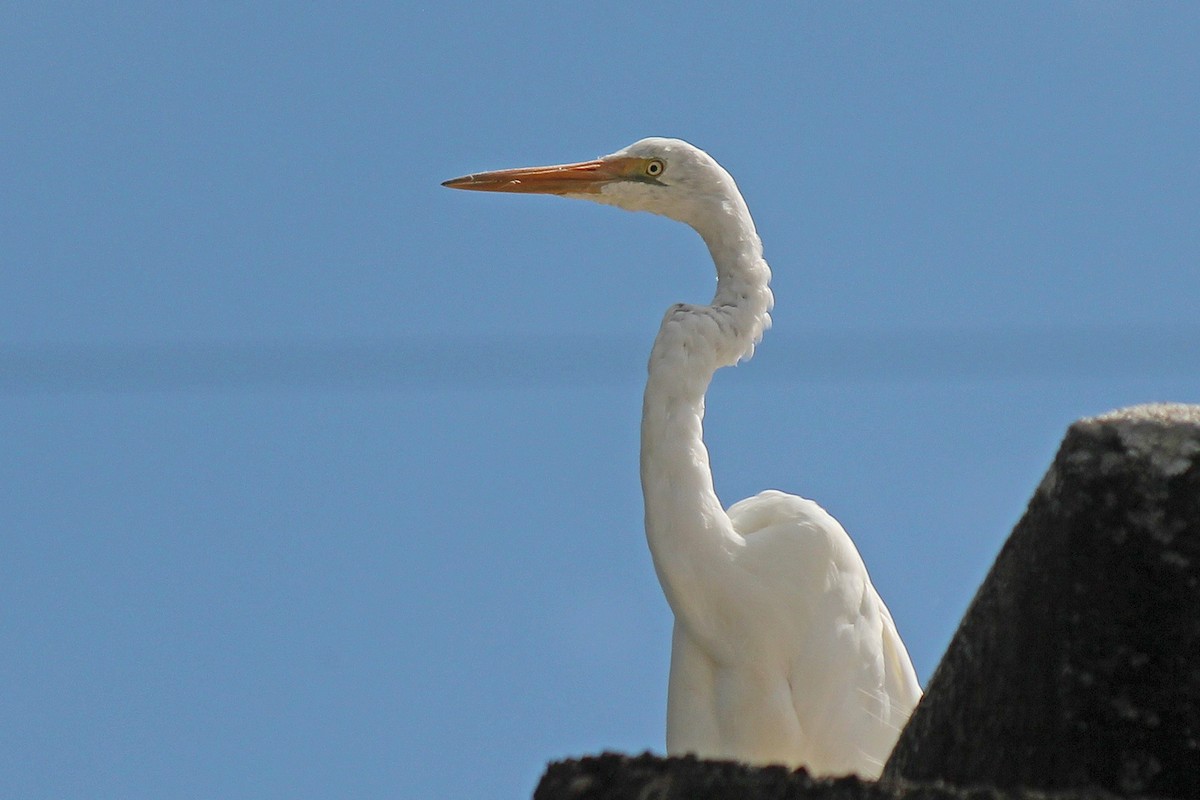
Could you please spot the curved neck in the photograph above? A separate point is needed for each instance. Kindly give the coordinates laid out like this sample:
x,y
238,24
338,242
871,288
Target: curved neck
x,y
690,535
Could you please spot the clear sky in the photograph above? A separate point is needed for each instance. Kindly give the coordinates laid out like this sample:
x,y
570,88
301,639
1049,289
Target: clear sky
x,y
319,480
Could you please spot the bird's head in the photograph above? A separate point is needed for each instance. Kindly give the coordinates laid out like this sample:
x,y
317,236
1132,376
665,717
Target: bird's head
x,y
663,176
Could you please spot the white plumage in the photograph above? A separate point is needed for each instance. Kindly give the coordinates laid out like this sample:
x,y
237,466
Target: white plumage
x,y
782,650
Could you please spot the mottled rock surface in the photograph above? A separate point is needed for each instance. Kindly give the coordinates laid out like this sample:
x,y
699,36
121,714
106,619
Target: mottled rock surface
x,y
1078,662
619,777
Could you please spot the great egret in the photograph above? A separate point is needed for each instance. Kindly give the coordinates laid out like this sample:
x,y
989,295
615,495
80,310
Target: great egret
x,y
782,650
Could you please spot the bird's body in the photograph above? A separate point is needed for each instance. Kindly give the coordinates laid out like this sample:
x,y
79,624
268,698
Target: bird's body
x,y
804,666
782,650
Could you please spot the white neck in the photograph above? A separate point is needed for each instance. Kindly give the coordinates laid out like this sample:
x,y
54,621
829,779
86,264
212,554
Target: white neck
x,y
690,535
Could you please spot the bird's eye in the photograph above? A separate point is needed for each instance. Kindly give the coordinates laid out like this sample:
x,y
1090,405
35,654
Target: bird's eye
x,y
654,167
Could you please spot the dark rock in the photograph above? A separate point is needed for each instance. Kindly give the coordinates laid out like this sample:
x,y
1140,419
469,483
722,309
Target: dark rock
x,y
612,776
1078,662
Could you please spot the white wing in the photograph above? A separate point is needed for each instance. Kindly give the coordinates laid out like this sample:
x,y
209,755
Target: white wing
x,y
851,681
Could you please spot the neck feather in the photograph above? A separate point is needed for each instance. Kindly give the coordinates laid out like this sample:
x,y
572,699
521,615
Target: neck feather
x,y
690,535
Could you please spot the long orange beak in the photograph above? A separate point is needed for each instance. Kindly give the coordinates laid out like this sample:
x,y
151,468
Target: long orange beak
x,y
586,177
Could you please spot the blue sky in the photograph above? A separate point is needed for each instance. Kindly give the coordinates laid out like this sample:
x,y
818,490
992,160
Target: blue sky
x,y
320,480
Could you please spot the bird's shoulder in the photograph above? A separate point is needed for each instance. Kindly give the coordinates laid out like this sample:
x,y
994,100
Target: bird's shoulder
x,y
772,508
780,521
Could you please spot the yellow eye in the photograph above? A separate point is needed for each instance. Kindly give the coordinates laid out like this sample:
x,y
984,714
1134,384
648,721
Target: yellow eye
x,y
655,167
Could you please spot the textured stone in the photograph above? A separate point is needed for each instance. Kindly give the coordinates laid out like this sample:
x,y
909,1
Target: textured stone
x,y
612,776
1078,662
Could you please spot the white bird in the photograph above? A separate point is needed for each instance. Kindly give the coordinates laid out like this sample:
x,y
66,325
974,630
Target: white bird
x,y
782,651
